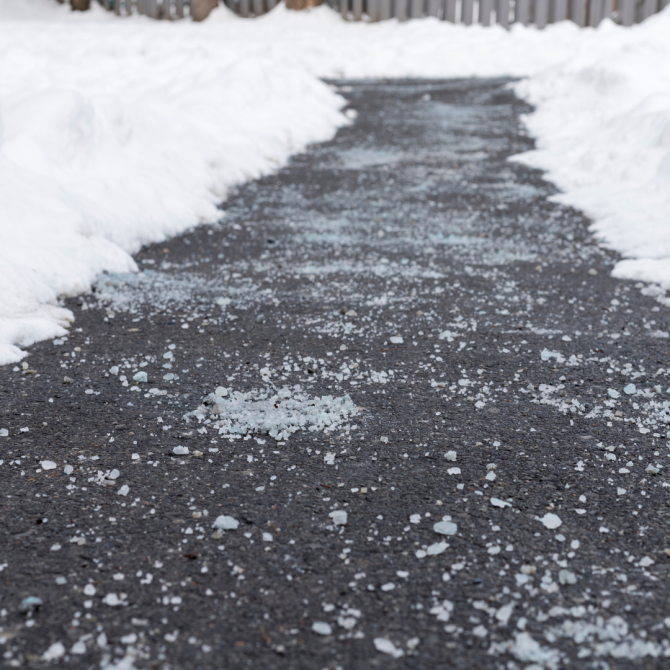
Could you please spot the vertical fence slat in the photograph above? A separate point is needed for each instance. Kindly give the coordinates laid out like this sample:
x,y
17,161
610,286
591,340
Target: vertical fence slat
x,y
179,9
401,10
344,9
541,13
664,4
649,8
522,11
560,10
373,9
357,9
627,12
258,7
485,11
596,12
384,9
502,13
243,8
449,13
467,12
433,8
578,12
416,9
271,4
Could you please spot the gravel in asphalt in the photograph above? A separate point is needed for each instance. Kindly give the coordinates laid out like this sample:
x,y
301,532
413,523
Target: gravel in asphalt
x,y
390,410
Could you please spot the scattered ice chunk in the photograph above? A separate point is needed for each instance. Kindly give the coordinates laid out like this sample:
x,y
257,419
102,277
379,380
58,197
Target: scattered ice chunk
x,y
114,474
89,590
504,613
329,458
48,465
567,577
630,389
548,355
225,523
550,521
55,651
415,518
494,550
140,377
613,394
267,537
436,549
339,517
396,339
124,490
490,476
387,647
4,432
646,561
68,469
389,586
113,600
445,527
322,628
496,502
180,451
114,370
652,469
454,471
450,455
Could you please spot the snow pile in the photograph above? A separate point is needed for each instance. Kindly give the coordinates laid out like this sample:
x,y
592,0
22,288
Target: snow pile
x,y
277,414
119,132
603,133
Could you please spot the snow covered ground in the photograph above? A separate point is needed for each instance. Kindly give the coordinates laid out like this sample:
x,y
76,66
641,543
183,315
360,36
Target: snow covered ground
x,y
119,132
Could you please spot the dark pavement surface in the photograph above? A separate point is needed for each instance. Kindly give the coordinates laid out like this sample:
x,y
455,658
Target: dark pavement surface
x,y
511,347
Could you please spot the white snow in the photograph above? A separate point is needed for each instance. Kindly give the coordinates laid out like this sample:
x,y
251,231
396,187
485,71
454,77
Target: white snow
x,y
115,133
278,414
550,521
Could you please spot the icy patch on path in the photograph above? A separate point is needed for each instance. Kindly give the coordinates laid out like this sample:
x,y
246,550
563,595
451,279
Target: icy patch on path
x,y
277,414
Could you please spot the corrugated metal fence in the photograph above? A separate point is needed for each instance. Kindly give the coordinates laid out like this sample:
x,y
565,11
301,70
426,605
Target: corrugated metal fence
x,y
484,12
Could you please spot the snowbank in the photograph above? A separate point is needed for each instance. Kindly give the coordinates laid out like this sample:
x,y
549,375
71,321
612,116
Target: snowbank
x,y
119,132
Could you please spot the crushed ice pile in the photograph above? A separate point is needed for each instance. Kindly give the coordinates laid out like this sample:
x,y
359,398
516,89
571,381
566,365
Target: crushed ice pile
x,y
278,414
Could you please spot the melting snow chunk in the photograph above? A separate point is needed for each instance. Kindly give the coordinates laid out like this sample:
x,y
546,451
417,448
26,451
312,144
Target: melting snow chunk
x,y
445,528
496,502
550,521
141,377
278,415
436,549
387,647
124,490
612,393
450,455
322,628
339,517
396,339
548,355
630,389
225,523
180,451
48,465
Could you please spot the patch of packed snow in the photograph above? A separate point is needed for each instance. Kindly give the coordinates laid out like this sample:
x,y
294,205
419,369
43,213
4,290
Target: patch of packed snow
x,y
278,414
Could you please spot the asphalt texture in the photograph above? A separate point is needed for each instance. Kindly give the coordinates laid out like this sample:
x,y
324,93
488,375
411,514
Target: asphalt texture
x,y
484,349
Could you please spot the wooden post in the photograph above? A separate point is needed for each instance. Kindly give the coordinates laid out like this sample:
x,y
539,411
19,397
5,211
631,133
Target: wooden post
x,y
373,9
416,9
649,8
80,5
200,9
357,10
401,10
384,9
449,11
627,12
258,7
433,8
